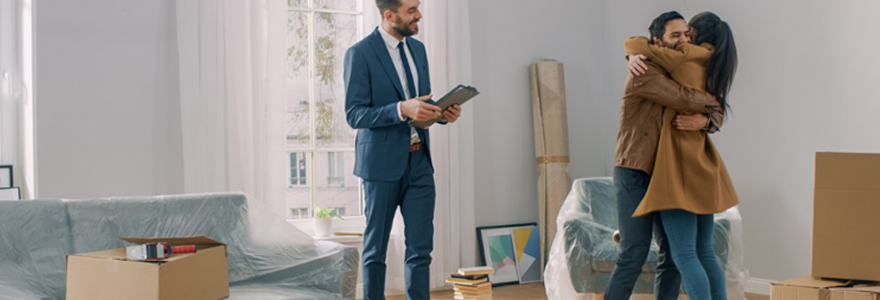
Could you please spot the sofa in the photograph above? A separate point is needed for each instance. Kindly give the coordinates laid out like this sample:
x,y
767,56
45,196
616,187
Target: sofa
x,y
585,249
268,258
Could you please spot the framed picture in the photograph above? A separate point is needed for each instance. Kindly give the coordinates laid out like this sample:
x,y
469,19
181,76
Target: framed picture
x,y
527,249
6,176
10,194
497,250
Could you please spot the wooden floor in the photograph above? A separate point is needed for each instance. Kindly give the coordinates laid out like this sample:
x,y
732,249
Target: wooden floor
x,y
533,291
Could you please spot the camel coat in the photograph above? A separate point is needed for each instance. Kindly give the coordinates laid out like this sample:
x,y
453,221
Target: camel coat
x,y
688,174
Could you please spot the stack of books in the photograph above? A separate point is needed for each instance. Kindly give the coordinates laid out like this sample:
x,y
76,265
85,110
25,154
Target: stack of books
x,y
472,283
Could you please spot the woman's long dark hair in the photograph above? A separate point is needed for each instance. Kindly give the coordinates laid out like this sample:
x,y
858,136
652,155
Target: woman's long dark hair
x,y
722,66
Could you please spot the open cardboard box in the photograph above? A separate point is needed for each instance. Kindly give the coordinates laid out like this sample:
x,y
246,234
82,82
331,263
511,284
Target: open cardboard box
x,y
109,275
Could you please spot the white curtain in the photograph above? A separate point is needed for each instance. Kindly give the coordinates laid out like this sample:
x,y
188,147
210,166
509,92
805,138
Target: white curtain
x,y
232,60
16,94
445,30
232,63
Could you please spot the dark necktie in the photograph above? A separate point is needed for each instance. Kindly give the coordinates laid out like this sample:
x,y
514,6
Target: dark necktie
x,y
409,77
414,136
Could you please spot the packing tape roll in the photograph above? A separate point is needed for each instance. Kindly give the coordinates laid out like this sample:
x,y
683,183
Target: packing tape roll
x,y
552,159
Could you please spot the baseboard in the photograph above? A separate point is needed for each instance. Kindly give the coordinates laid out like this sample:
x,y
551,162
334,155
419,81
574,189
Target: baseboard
x,y
758,286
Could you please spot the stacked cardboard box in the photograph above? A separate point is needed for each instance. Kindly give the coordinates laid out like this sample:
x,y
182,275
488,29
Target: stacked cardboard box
x,y
472,283
845,262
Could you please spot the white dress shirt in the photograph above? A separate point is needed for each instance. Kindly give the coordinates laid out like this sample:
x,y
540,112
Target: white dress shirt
x,y
391,43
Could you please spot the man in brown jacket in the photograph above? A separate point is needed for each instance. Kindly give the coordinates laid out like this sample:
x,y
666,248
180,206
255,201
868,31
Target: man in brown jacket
x,y
647,92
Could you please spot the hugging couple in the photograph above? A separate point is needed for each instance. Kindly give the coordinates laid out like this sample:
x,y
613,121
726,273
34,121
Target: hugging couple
x,y
669,178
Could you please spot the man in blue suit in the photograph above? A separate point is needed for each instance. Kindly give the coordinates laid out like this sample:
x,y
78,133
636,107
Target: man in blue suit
x,y
382,71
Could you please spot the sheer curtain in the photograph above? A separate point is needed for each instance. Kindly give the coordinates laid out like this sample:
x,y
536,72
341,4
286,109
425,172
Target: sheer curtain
x,y
232,60
445,30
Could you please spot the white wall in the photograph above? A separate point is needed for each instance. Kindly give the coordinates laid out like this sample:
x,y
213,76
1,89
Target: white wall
x,y
107,99
507,36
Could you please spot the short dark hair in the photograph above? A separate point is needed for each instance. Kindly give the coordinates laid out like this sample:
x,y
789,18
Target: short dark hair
x,y
658,26
384,5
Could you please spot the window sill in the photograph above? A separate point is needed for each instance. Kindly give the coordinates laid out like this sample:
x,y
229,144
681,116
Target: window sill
x,y
346,240
350,224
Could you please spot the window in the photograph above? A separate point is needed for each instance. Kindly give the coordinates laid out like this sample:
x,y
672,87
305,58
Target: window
x,y
336,169
299,212
340,210
298,169
319,141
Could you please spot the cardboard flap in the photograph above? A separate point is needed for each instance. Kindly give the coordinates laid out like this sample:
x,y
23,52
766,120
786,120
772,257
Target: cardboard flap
x,y
847,171
174,241
118,254
812,282
866,288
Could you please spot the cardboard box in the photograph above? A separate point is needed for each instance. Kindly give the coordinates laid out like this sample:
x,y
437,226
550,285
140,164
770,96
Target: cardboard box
x,y
804,288
846,216
108,275
858,292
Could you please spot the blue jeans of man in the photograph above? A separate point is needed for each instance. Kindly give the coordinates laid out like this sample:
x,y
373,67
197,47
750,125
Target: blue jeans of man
x,y
635,241
415,195
690,242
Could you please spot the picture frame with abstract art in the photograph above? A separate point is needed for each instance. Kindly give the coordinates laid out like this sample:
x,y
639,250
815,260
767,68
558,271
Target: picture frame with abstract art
x,y
497,250
527,249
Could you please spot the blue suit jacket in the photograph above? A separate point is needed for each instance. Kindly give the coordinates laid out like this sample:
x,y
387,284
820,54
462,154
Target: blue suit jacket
x,y
372,90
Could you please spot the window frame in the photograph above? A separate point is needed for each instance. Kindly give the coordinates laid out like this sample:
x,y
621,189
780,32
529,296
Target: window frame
x,y
311,152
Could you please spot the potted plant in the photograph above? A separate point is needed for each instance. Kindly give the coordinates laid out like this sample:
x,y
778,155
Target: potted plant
x,y
324,220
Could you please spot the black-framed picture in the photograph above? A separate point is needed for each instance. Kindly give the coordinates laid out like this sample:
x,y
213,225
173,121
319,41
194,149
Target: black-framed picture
x,y
503,247
10,194
6,176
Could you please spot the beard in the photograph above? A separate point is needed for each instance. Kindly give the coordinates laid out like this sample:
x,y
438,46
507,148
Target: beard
x,y
670,45
404,30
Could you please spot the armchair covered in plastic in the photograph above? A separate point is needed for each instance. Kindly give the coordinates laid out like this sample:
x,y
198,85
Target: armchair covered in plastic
x,y
583,252
268,258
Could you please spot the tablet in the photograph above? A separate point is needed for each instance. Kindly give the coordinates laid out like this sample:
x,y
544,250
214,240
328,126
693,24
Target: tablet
x,y
458,95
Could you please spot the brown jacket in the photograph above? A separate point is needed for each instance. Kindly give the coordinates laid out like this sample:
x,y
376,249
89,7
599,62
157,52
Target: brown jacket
x,y
641,111
688,174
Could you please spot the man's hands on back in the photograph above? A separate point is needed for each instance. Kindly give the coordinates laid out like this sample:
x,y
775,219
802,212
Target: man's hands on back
x,y
419,110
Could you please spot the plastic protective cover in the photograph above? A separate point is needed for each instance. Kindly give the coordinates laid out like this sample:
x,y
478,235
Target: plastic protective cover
x,y
268,258
583,252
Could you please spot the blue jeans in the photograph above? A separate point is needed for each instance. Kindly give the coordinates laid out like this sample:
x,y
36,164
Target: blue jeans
x,y
690,241
635,241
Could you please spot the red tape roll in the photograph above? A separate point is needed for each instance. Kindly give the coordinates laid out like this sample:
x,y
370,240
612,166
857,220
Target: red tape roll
x,y
183,249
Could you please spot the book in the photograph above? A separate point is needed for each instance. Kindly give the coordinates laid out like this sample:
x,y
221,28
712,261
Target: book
x,y
467,282
471,277
458,95
472,271
475,288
